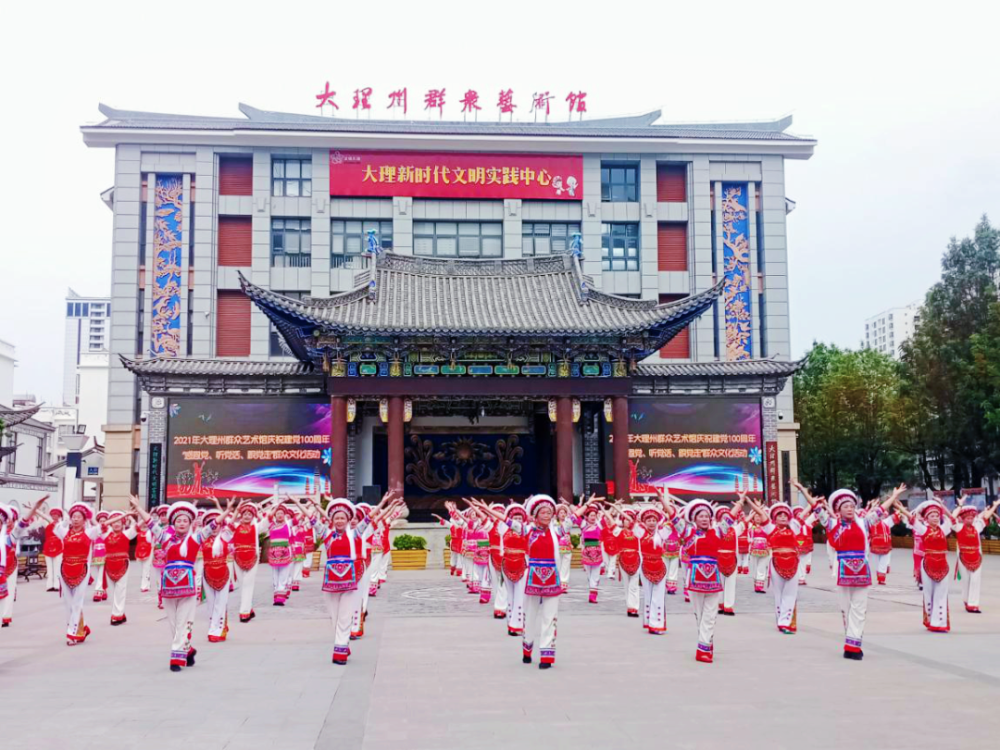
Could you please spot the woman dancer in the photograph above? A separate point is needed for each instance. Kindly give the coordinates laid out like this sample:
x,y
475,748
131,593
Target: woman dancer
x,y
159,556
279,553
629,560
759,557
564,524
847,533
672,556
11,530
728,556
805,542
343,551
246,553
52,550
499,588
117,540
880,545
215,553
144,556
362,512
77,534
298,545
97,554
933,522
968,526
513,565
588,521
742,544
653,571
783,533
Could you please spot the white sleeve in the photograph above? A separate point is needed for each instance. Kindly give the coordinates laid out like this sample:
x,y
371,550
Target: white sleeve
x,y
130,532
94,531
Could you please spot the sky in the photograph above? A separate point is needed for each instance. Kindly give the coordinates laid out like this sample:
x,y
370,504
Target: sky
x,y
905,105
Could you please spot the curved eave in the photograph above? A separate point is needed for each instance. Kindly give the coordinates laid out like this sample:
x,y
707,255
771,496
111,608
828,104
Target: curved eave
x,y
12,417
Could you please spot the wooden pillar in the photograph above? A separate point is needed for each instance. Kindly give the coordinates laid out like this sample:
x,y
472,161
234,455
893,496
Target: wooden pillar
x,y
395,435
619,432
338,446
564,448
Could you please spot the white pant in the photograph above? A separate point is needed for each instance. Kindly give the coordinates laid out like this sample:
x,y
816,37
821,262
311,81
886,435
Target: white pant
x,y
971,584
935,601
540,613
480,577
199,574
7,603
383,568
706,610
361,602
805,562
631,586
281,578
729,592
52,566
593,576
565,567
759,567
97,571
879,563
515,603
742,561
157,580
786,591
610,564
297,571
180,617
116,593
73,600
341,607
377,563
466,567
854,607
246,581
499,590
217,602
654,615
147,567
831,559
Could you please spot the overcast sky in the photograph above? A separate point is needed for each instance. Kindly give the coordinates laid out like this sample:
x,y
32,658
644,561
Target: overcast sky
x,y
905,105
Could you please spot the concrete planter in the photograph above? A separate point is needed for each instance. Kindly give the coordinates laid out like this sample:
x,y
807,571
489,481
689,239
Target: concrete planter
x,y
446,557
574,560
409,559
991,546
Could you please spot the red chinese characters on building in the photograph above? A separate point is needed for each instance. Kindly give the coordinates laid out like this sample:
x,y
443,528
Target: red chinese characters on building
x,y
434,99
470,102
505,103
422,174
326,97
771,471
362,98
397,99
577,102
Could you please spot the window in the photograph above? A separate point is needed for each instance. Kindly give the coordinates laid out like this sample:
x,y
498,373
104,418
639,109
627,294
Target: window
x,y
450,239
547,239
620,247
350,238
619,183
291,243
236,175
291,178
275,349
679,347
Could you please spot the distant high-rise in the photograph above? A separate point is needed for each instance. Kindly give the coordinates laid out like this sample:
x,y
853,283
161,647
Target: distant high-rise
x,y
87,332
887,331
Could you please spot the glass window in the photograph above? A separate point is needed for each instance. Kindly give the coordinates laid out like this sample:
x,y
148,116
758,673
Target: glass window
x,y
275,349
291,243
620,183
69,309
349,239
547,239
449,239
291,177
620,247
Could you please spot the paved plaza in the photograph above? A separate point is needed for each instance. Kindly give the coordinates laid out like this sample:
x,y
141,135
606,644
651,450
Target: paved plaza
x,y
436,671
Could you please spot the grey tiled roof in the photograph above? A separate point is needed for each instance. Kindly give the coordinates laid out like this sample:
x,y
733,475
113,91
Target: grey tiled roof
x,y
748,367
533,296
214,367
11,416
640,126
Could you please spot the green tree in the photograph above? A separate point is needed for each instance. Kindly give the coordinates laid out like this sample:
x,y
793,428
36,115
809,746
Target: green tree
x,y
948,368
847,403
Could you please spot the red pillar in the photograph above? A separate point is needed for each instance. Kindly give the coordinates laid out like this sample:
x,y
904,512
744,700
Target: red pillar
x,y
395,434
564,448
338,446
619,432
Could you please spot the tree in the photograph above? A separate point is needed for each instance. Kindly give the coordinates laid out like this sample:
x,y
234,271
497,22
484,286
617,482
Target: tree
x,y
847,403
948,368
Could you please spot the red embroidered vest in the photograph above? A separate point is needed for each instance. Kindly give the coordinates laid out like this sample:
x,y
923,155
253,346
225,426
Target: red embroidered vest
x,y
116,557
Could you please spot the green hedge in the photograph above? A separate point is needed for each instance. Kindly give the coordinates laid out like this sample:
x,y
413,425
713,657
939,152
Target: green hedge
x,y
409,542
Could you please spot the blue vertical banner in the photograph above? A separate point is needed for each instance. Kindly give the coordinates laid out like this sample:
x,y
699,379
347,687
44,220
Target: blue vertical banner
x,y
736,265
165,337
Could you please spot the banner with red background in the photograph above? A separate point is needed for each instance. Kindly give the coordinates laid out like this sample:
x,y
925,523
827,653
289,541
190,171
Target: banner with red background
x,y
426,174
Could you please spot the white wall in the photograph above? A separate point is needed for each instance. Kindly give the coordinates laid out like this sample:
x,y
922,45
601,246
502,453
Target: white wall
x,y
94,393
7,363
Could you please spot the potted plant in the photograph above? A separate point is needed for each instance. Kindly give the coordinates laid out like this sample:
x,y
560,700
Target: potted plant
x,y
991,544
574,561
446,553
409,552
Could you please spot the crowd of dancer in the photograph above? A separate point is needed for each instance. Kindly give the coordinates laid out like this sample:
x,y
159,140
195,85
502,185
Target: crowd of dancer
x,y
516,556
201,555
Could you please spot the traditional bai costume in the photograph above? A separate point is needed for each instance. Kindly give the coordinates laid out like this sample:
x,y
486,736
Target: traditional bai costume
x,y
279,557
935,568
362,512
653,570
513,566
704,581
880,547
760,554
784,546
246,554
565,535
342,573
542,587
178,589
498,589
215,548
116,564
98,553
144,556
52,549
629,561
15,529
728,559
805,542
591,555
970,555
75,570
159,556
849,540
672,556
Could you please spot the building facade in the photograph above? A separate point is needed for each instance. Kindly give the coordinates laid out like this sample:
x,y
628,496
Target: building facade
x,y
890,329
87,332
221,222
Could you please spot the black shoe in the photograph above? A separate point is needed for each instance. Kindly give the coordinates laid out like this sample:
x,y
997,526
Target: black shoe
x,y
728,614
252,614
526,660
191,654
632,614
5,625
175,667
854,655
545,665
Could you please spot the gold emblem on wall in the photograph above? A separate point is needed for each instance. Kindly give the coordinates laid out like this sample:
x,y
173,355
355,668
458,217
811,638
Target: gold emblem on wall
x,y
352,409
553,411
383,410
407,410
576,410
609,414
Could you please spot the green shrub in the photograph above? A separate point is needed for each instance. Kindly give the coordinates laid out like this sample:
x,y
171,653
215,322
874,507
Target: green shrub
x,y
447,541
574,539
409,542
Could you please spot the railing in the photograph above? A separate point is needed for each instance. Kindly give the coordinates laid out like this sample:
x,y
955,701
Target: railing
x,y
349,262
303,260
